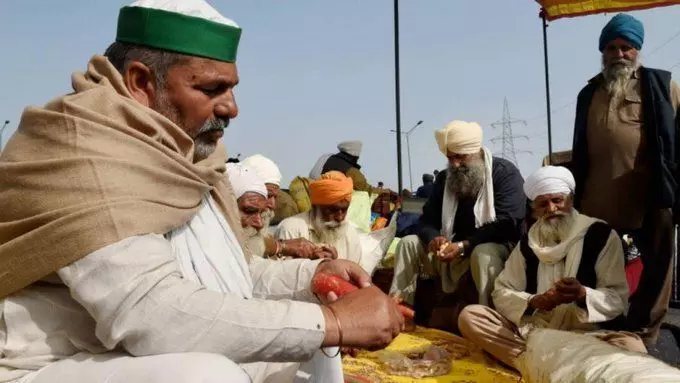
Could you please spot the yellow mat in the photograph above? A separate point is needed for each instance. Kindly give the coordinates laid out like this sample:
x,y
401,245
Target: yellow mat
x,y
475,367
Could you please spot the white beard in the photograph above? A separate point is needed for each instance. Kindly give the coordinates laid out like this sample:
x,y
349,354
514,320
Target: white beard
x,y
267,218
331,233
552,232
255,240
617,77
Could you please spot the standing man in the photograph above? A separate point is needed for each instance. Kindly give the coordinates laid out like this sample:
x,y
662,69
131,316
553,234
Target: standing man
x,y
625,161
470,222
346,161
428,184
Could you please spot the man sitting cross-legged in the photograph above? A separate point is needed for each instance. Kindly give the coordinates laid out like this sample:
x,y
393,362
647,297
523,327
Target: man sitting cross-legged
x,y
567,273
326,223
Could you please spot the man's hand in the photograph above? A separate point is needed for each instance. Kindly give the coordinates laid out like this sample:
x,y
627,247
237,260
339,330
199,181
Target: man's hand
x,y
325,251
436,244
450,252
570,290
346,270
300,248
546,301
369,319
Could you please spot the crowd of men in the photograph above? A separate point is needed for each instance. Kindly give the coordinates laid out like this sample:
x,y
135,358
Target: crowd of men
x,y
130,251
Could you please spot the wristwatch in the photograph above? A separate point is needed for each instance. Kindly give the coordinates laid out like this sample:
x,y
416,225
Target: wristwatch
x,y
461,246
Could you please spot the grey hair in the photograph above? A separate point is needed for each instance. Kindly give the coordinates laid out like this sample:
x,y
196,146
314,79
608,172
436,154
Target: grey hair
x,y
159,61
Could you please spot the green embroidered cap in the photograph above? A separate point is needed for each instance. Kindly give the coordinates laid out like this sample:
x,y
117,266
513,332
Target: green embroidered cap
x,y
198,31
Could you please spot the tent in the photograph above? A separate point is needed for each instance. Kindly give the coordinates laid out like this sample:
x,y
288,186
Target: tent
x,y
556,9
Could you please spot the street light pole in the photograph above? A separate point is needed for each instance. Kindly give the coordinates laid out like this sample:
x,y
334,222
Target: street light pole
x,y
396,92
408,150
2,130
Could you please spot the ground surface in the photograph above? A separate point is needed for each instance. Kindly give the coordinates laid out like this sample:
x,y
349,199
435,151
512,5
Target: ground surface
x,y
668,346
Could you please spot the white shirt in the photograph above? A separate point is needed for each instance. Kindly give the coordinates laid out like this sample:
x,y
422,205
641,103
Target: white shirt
x,y
131,295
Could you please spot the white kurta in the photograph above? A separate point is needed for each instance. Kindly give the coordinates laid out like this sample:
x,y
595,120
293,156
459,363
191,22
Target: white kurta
x,y
132,296
606,301
300,226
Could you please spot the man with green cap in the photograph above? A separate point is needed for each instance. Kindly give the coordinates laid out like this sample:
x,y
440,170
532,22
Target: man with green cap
x,y
624,160
121,249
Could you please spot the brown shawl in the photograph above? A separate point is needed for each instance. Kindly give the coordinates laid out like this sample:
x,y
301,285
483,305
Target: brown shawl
x,y
92,168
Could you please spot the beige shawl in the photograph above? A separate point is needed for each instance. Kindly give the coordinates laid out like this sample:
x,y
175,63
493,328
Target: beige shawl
x,y
92,168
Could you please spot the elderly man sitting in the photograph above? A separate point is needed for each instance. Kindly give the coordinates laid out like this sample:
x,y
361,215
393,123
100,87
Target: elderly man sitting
x,y
326,222
264,178
281,205
470,221
567,273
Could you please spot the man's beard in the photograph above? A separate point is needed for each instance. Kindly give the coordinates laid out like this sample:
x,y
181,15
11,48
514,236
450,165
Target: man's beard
x,y
552,231
204,143
267,218
255,240
467,180
617,75
331,233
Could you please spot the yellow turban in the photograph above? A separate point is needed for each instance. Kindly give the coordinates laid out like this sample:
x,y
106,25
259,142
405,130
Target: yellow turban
x,y
459,137
332,187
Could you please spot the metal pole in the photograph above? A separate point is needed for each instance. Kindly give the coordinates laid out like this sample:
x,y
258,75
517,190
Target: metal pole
x,y
547,83
1,131
408,151
396,88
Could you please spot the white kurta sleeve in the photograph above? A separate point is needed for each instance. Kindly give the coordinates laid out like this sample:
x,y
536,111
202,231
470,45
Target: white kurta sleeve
x,y
293,228
509,295
135,293
287,279
610,298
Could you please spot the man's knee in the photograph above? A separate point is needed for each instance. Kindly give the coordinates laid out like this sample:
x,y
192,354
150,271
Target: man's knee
x,y
410,249
208,368
410,244
469,319
488,254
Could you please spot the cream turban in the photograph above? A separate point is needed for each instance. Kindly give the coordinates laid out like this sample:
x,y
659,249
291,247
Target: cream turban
x,y
459,137
549,180
244,180
352,148
264,168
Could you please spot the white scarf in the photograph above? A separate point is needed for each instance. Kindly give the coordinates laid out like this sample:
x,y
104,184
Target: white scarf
x,y
551,267
484,209
209,254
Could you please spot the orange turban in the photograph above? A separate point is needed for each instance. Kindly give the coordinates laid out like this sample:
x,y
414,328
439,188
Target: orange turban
x,y
332,187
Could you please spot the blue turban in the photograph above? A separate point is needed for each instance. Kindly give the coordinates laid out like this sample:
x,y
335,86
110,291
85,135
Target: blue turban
x,y
625,27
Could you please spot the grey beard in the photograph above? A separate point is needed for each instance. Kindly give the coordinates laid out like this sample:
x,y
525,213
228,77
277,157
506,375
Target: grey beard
x,y
329,233
553,232
466,181
617,75
203,145
267,218
255,240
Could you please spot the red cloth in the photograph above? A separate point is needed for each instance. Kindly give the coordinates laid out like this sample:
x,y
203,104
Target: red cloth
x,y
633,274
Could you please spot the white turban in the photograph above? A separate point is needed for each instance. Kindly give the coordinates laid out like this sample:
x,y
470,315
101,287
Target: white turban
x,y
264,168
459,137
244,180
316,171
195,8
352,148
549,180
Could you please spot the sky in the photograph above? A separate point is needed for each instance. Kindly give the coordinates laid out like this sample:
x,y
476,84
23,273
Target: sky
x,y
317,72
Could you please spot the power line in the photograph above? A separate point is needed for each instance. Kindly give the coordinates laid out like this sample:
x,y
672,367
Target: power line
x,y
508,150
